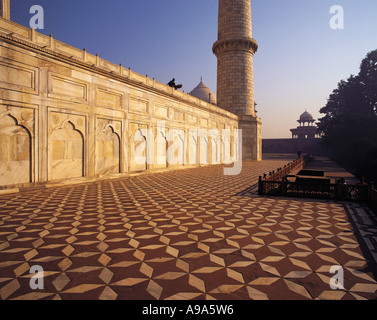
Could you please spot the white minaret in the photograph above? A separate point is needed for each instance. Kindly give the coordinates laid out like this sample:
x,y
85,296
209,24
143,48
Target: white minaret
x,y
5,9
235,49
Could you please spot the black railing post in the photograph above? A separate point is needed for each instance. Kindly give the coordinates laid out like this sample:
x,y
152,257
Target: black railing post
x,y
260,185
338,191
283,188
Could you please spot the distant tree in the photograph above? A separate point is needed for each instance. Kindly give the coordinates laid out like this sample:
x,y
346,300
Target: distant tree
x,y
358,94
368,79
349,125
348,97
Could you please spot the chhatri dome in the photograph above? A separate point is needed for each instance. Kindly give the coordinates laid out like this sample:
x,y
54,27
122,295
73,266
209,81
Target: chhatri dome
x,y
202,92
306,117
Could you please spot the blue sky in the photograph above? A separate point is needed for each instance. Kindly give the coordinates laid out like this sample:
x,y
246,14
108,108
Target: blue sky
x,y
299,62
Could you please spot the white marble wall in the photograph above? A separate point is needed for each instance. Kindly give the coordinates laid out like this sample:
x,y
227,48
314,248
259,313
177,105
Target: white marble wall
x,y
63,117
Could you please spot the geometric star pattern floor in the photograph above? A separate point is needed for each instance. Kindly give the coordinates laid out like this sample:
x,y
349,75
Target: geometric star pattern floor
x,y
179,235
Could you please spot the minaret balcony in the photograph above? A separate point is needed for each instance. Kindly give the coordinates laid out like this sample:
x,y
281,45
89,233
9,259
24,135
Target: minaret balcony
x,y
245,44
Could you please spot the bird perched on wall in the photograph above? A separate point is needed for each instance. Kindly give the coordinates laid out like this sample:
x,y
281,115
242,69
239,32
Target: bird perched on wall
x,y
173,85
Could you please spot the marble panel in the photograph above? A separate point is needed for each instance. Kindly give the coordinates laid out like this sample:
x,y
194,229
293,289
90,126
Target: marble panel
x,y
68,87
161,112
138,105
109,99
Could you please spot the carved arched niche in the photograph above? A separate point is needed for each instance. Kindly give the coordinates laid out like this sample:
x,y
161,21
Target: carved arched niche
x,y
204,145
66,147
15,151
108,148
213,147
193,147
138,144
161,148
226,149
248,150
176,152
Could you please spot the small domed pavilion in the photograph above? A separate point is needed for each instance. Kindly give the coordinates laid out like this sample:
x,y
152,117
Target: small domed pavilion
x,y
306,129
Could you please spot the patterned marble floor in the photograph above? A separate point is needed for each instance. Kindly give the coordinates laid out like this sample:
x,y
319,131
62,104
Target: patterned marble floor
x,y
182,235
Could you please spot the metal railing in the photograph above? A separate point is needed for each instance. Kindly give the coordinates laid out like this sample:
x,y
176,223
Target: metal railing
x,y
280,173
337,191
276,184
